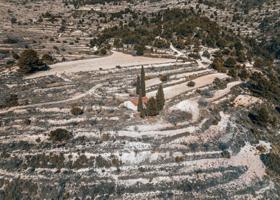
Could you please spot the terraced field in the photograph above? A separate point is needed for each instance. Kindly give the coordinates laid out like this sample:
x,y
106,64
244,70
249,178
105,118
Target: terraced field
x,y
194,149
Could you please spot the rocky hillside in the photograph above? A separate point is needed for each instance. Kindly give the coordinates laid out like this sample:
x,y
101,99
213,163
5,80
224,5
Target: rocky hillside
x,y
157,99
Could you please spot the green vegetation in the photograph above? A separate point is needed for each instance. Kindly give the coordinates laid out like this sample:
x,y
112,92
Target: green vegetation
x,y
48,59
138,85
160,98
75,110
172,25
151,109
143,84
60,135
272,159
140,103
265,116
29,62
191,84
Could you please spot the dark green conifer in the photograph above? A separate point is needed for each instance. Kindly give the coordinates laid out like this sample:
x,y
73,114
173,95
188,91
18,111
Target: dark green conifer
x,y
142,113
143,85
140,103
160,98
138,85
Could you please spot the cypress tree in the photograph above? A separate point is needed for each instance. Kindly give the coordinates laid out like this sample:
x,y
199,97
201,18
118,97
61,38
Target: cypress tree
x,y
143,85
142,113
140,103
160,98
138,85
152,107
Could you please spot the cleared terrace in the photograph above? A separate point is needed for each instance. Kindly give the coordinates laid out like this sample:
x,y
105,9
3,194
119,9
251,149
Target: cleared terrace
x,y
108,62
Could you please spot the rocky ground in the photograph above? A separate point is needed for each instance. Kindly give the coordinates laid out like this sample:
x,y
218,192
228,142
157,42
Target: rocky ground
x,y
201,146
195,149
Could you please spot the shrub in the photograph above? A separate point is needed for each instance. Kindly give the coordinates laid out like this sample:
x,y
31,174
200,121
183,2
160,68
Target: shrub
x,y
48,59
195,56
30,62
225,154
230,62
60,135
15,55
272,161
75,110
11,101
116,162
193,146
103,51
191,84
139,50
179,159
102,162
207,93
206,54
152,107
263,116
223,146
202,102
218,64
219,83
163,78
177,116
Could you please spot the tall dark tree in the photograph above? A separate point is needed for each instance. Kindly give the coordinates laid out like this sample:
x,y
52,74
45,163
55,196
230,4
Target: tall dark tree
x,y
160,98
143,85
143,113
140,102
152,107
138,85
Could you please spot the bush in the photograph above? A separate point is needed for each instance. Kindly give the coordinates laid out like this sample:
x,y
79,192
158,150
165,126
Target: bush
x,y
12,100
206,54
218,64
223,146
15,55
179,159
152,109
193,146
30,62
163,78
263,116
202,102
230,62
139,50
76,111
60,135
206,93
191,84
195,56
219,83
48,59
225,154
272,161
177,116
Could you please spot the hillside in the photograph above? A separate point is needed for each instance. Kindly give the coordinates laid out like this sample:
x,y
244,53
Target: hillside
x,y
126,99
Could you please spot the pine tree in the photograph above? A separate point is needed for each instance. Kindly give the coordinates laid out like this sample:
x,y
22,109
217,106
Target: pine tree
x,y
143,85
160,98
152,107
138,85
140,103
